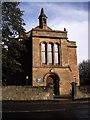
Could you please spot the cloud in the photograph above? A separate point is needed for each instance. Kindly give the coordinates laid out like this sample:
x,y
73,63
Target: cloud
x,y
72,16
77,27
55,11
77,31
50,0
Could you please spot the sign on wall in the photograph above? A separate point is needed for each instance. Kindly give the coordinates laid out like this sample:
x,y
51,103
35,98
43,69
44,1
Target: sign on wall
x,y
39,80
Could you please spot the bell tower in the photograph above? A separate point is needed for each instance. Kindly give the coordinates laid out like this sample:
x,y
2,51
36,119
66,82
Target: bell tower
x,y
42,19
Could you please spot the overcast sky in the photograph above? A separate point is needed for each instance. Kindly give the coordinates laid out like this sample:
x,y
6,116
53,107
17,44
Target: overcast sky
x,y
70,15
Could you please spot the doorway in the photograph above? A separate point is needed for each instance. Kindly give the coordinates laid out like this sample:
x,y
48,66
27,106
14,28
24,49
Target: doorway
x,y
53,79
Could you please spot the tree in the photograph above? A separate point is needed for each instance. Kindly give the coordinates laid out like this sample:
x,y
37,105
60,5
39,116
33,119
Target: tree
x,y
12,50
12,22
84,71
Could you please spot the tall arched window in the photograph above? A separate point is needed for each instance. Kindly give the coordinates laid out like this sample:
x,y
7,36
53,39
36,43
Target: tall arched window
x,y
56,51
44,53
50,53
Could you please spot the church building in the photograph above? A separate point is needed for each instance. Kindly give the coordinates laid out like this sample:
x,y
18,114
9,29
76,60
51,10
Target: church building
x,y
54,58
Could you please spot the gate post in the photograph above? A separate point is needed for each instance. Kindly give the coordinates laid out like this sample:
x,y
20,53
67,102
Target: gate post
x,y
74,90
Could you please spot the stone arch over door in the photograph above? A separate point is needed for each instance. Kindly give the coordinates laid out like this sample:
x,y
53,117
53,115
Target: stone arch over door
x,y
53,79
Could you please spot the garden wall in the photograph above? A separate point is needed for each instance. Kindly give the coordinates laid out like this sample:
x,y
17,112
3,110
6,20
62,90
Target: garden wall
x,y
26,93
82,92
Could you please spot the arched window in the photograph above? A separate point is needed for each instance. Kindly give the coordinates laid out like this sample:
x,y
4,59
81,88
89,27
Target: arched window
x,y
56,51
50,53
44,53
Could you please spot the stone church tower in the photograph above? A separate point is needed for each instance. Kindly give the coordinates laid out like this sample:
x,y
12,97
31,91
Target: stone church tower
x,y
54,58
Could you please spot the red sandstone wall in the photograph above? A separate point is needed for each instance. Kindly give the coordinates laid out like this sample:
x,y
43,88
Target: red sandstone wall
x,y
63,73
67,71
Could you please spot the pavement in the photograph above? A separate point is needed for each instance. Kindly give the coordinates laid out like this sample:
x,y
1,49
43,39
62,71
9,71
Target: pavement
x,y
57,109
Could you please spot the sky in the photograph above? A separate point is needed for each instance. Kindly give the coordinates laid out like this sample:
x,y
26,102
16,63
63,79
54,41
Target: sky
x,y
70,15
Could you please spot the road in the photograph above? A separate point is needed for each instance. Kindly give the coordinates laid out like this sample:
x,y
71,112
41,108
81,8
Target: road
x,y
44,110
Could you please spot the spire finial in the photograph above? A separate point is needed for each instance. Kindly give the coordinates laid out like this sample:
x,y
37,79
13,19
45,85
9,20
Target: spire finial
x,y
42,11
42,14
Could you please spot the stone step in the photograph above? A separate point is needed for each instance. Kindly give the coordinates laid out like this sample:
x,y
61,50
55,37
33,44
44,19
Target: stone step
x,y
62,97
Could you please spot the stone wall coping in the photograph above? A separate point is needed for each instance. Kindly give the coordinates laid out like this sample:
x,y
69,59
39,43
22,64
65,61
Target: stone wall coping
x,y
47,30
48,33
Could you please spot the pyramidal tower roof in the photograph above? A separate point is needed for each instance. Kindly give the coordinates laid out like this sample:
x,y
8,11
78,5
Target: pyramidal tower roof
x,y
42,14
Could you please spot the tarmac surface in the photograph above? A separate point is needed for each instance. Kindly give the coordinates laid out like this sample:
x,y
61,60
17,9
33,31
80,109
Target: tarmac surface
x,y
43,110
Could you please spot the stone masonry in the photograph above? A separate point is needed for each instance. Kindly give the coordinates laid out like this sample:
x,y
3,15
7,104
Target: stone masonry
x,y
62,73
